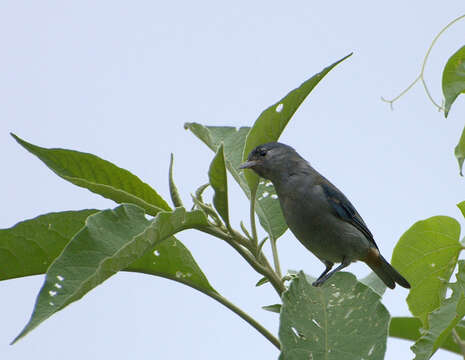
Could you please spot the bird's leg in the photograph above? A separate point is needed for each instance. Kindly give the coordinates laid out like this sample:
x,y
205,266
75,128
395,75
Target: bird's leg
x,y
327,274
329,266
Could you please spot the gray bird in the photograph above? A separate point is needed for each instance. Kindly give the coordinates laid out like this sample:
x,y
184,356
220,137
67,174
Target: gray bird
x,y
318,214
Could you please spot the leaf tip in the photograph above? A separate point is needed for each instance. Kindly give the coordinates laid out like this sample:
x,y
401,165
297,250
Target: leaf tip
x,y
14,136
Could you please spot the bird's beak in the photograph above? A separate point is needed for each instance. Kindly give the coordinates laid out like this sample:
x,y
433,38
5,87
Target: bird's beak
x,y
248,164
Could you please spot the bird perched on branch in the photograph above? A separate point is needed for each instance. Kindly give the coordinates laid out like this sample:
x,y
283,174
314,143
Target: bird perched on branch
x,y
318,214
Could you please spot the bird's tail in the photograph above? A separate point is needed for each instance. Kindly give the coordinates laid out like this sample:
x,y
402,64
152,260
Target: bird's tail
x,y
387,273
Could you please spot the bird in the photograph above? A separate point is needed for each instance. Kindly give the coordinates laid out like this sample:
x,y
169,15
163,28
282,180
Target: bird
x,y
318,214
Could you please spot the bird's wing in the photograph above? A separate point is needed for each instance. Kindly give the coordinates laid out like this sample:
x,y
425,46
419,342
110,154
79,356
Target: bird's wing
x,y
345,210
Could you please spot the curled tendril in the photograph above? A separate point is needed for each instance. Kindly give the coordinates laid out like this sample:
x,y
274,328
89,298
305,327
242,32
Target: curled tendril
x,y
420,77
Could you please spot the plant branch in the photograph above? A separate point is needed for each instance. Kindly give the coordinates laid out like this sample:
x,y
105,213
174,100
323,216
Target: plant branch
x,y
260,264
422,71
222,300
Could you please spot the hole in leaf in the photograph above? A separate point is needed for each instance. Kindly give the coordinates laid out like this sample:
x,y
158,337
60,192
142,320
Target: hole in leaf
x,y
279,108
52,293
297,333
316,323
371,350
60,278
348,313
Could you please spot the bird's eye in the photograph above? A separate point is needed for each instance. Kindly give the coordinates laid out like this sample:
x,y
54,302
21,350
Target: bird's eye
x,y
262,152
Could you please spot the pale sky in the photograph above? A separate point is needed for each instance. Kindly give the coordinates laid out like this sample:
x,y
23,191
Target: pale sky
x,y
119,79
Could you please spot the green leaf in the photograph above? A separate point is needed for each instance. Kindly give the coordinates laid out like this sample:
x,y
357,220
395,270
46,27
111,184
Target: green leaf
x,y
271,122
375,283
342,319
461,206
262,281
99,176
172,260
267,207
426,255
443,320
174,193
459,151
29,247
111,241
219,183
276,308
408,328
453,78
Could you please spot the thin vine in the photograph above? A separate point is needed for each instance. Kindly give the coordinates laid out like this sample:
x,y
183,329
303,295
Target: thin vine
x,y
420,77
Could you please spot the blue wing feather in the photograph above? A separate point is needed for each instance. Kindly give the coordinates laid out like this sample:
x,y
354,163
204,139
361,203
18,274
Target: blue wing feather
x,y
345,210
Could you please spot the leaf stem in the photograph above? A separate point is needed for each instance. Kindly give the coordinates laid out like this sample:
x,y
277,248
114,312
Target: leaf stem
x,y
222,300
259,327
253,225
274,250
459,342
422,71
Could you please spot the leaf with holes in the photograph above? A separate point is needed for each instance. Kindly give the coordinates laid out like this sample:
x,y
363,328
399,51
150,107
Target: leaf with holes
x,y
426,255
453,78
110,241
272,121
29,247
267,208
442,320
99,176
219,183
343,319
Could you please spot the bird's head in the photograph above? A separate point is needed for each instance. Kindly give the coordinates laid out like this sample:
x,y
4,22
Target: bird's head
x,y
271,160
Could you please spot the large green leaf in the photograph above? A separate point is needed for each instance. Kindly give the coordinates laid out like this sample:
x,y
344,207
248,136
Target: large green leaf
x,y
110,241
29,247
267,207
453,78
272,121
426,255
219,183
459,151
443,320
342,319
408,328
99,176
